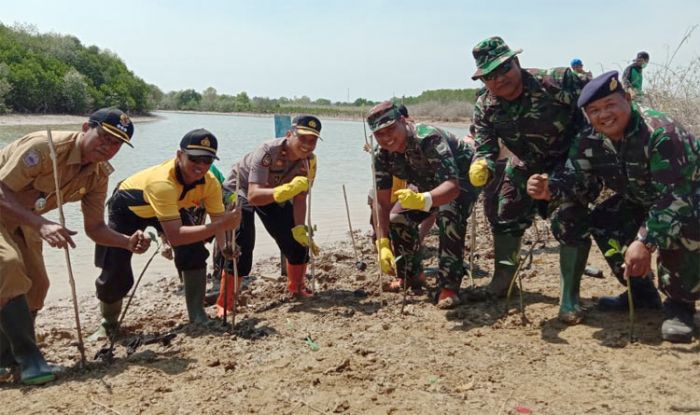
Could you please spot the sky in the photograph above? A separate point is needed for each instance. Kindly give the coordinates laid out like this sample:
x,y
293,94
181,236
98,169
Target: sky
x,y
357,48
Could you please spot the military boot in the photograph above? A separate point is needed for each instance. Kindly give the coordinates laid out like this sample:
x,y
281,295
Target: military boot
x,y
644,295
507,248
678,325
572,261
17,324
109,326
195,281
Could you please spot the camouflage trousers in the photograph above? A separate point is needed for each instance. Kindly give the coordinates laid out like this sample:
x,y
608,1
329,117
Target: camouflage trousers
x,y
452,223
678,266
516,209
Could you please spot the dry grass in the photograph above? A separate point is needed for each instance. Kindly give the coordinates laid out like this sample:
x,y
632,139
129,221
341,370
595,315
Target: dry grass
x,y
442,111
675,89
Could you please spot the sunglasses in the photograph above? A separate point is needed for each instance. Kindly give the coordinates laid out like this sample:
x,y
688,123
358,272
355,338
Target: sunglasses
x,y
500,70
200,159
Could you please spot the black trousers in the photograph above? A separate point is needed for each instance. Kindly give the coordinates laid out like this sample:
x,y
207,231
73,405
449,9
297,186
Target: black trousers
x,y
278,220
117,277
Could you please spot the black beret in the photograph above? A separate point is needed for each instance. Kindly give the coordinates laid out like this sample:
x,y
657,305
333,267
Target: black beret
x,y
199,142
115,122
599,87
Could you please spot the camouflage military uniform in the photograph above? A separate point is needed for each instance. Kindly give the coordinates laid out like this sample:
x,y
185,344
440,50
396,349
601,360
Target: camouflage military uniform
x,y
537,128
432,157
655,172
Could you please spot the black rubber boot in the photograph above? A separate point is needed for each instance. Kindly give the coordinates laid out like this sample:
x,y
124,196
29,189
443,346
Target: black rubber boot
x,y
17,324
678,325
195,286
644,295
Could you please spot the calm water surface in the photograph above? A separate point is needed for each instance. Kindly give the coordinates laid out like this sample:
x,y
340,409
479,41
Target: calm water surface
x,y
340,161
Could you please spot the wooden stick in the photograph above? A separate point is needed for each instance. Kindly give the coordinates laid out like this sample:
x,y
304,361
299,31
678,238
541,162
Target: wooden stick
x,y
375,202
310,227
352,236
472,243
235,260
62,220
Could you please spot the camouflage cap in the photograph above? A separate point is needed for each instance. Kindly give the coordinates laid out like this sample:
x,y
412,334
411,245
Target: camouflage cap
x,y
383,115
489,54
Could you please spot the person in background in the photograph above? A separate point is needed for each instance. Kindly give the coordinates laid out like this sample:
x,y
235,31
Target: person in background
x,y
633,78
577,66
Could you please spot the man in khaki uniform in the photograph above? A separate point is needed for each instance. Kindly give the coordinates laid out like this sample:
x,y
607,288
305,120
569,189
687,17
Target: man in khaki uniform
x,y
27,190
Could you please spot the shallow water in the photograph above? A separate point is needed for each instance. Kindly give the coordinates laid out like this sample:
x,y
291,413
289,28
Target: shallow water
x,y
340,161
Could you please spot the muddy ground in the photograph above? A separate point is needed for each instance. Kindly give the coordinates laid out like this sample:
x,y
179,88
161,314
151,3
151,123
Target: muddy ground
x,y
349,350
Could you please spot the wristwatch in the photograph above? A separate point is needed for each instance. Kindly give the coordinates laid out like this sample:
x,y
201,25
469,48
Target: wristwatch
x,y
648,245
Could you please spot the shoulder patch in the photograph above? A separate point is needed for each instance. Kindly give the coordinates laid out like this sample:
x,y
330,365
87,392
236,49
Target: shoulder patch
x,y
31,158
424,130
107,168
266,160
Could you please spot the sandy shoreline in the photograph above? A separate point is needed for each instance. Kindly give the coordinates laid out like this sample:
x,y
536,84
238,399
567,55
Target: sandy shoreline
x,y
58,119
14,120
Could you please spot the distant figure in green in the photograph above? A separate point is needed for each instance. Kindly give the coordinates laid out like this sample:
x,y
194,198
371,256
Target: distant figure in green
x,y
632,77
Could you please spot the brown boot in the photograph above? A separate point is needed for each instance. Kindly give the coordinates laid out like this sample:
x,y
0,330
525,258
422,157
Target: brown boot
x,y
295,280
227,285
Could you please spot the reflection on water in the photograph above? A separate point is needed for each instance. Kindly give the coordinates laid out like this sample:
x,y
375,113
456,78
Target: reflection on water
x,y
340,161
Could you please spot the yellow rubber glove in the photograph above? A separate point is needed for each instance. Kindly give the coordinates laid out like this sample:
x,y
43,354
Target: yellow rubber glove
x,y
301,235
286,191
479,173
412,200
386,257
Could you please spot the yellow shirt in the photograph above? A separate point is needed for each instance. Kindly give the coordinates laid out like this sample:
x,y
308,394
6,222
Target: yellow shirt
x,y
26,168
159,192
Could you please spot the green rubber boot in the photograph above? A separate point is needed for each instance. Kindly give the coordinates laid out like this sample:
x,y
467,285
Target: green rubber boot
x,y
572,262
7,359
17,324
195,281
110,321
507,248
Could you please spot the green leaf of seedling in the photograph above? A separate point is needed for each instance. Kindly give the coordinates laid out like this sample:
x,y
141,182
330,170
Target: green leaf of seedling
x,y
232,198
315,227
433,379
610,252
152,235
312,344
507,262
615,244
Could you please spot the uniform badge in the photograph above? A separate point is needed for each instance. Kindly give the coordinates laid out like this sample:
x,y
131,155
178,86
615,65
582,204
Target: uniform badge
x,y
124,120
40,204
312,124
613,84
266,160
31,158
205,142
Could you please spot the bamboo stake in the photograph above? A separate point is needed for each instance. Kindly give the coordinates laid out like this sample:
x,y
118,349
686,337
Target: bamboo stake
x,y
312,255
360,265
375,202
62,220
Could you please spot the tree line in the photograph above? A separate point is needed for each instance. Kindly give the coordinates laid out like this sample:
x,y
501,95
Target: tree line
x,y
52,73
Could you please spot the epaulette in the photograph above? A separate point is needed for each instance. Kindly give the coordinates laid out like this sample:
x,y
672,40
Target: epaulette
x,y
106,168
